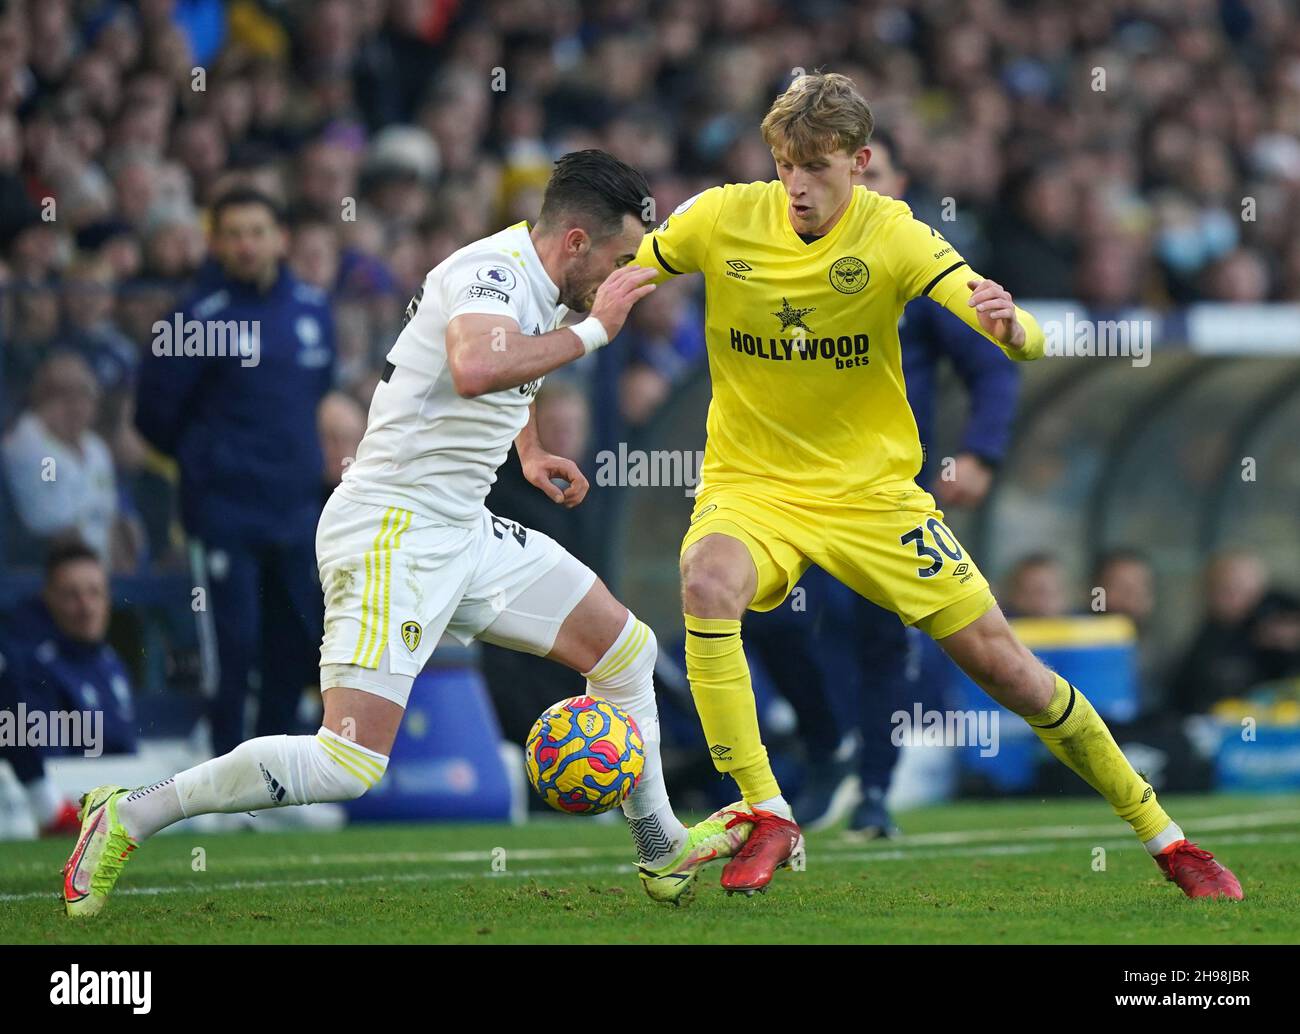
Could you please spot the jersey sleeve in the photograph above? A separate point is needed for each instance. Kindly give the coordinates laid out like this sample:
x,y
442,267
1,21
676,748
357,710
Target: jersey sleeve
x,y
926,265
680,243
484,284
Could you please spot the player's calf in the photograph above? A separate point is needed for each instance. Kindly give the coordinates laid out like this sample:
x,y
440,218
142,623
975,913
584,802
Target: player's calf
x,y
988,651
1065,720
267,772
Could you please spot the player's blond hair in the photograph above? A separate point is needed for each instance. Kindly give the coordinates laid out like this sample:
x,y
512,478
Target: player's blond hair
x,y
820,112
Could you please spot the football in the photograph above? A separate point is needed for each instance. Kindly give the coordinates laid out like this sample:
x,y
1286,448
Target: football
x,y
584,755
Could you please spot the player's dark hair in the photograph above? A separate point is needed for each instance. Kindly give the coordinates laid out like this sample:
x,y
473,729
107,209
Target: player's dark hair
x,y
596,190
67,551
240,196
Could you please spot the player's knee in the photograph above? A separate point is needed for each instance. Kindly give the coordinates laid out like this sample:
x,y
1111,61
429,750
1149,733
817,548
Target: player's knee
x,y
643,665
631,667
712,588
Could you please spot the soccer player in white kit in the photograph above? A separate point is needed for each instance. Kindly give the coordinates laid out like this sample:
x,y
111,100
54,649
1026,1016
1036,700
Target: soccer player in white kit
x,y
407,550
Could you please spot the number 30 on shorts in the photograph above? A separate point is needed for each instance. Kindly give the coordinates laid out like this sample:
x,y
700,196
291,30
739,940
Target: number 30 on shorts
x,y
943,538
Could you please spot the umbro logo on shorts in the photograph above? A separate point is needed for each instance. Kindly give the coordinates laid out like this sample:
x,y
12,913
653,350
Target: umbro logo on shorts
x,y
708,509
411,632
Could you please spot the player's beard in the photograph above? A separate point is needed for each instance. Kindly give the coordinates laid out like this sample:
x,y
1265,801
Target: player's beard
x,y
578,294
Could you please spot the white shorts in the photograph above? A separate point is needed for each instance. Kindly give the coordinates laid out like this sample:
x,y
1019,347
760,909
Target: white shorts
x,y
395,581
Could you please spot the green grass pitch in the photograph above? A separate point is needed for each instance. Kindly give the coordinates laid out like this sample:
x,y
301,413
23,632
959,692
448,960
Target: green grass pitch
x,y
1029,871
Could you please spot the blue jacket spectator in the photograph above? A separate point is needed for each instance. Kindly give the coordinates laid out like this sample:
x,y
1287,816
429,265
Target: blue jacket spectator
x,y
240,418
54,658
243,428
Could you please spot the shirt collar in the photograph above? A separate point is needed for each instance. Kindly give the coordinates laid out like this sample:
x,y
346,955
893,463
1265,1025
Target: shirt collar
x,y
536,271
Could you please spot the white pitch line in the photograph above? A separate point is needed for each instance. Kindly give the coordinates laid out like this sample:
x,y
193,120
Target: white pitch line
x,y
836,860
1250,820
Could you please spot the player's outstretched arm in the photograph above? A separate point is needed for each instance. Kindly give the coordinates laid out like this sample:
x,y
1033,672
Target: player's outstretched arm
x,y
998,314
924,263
990,309
540,466
488,353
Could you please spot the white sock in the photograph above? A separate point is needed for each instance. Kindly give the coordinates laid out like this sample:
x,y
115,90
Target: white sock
x,y
147,809
1171,834
267,772
625,676
777,805
44,801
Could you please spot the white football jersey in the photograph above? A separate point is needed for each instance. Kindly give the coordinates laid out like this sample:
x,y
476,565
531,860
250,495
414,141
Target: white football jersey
x,y
426,449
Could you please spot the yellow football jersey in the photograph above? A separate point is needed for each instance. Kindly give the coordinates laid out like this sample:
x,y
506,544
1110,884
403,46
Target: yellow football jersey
x,y
808,392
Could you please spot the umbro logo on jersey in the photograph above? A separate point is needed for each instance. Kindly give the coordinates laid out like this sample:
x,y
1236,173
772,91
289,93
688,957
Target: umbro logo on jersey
x,y
738,268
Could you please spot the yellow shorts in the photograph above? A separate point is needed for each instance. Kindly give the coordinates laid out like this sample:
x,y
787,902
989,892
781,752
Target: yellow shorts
x,y
891,547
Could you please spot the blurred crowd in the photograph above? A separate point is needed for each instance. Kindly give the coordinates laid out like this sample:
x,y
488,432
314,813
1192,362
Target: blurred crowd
x,y
1119,152
1247,634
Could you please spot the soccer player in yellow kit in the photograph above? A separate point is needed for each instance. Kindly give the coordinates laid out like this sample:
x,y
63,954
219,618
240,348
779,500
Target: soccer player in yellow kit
x,y
812,453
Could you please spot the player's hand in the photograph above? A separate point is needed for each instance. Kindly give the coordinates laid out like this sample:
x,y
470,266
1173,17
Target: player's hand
x,y
997,312
622,289
969,485
541,467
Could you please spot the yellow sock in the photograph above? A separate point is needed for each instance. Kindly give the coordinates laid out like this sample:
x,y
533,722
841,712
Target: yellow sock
x,y
1075,733
724,698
